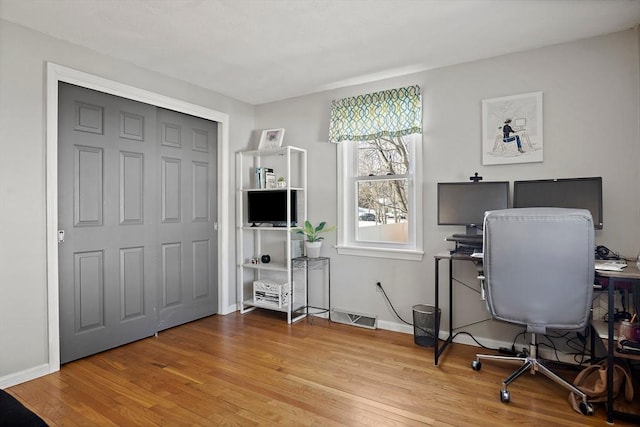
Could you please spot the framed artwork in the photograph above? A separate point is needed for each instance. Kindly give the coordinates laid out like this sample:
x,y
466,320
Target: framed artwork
x,y
512,129
271,138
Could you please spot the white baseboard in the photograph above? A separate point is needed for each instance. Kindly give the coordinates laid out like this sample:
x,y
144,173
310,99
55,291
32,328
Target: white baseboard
x,y
462,339
395,327
545,353
24,376
229,309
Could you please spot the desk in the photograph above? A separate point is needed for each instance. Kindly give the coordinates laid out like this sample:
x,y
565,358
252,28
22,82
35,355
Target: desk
x,y
629,274
438,350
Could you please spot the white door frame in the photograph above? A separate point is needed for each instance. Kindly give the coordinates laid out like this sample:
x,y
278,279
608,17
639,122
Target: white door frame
x,y
58,73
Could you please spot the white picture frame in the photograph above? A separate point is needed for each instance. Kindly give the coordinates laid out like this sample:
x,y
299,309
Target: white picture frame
x,y
271,138
525,113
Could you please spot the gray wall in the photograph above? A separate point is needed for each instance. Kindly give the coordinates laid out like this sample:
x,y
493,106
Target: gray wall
x,y
591,120
23,286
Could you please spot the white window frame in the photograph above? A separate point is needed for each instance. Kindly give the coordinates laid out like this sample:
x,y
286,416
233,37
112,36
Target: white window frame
x,y
347,208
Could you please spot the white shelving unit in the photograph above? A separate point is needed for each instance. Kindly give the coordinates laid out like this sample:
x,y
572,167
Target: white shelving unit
x,y
256,240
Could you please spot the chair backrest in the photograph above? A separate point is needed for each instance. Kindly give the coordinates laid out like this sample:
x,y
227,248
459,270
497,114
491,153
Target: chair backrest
x,y
539,267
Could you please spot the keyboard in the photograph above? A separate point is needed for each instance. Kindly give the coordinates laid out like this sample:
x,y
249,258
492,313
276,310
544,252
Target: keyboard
x,y
461,251
467,250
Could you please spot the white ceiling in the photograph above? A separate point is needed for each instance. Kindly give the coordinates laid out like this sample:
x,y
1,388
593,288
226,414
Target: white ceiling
x,y
260,51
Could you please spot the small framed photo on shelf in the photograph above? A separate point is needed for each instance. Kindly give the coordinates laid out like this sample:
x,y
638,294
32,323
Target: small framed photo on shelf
x,y
271,138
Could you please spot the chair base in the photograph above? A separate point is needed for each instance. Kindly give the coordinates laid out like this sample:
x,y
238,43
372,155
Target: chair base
x,y
533,365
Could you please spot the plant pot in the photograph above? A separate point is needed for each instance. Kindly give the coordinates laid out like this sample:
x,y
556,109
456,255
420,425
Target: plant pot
x,y
312,249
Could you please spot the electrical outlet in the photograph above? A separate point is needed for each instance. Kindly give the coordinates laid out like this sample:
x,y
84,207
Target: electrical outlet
x,y
378,287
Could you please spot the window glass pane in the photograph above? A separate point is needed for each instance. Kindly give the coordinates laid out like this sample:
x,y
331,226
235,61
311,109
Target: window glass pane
x,y
382,210
384,156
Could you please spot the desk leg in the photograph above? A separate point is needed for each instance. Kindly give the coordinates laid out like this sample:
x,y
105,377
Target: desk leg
x,y
329,287
437,349
437,304
450,337
610,344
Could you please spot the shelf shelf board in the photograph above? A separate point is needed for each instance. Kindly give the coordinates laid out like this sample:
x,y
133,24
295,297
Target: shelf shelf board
x,y
273,151
284,308
251,228
270,189
262,266
602,330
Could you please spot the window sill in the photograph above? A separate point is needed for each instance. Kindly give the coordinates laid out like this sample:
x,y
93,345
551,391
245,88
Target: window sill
x,y
402,254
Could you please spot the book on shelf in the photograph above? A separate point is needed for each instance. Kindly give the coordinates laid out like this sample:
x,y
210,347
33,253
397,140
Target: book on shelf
x,y
270,178
264,178
257,177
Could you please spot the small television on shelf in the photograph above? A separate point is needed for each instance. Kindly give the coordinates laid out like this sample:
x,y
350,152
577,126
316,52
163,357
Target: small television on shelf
x,y
582,193
270,207
464,203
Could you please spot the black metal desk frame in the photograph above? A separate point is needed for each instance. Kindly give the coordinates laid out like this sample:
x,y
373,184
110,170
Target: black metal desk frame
x,y
461,243
439,349
629,274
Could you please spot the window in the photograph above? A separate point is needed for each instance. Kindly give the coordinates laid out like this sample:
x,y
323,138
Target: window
x,y
379,196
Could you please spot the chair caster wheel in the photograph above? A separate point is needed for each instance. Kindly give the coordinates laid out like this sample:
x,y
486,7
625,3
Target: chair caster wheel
x,y
586,408
505,396
476,365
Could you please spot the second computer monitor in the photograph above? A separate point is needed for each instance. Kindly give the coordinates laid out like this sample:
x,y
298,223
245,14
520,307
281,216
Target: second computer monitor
x,y
582,193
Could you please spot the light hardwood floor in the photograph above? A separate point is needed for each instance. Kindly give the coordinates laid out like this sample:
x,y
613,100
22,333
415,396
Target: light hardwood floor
x,y
254,369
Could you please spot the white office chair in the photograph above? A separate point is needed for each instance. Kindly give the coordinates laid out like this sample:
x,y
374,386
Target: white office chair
x,y
538,271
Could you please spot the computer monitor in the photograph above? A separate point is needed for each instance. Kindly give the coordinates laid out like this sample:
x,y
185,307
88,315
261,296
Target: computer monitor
x,y
270,207
583,193
464,203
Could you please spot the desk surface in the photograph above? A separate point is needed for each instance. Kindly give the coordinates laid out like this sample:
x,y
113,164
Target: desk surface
x,y
629,272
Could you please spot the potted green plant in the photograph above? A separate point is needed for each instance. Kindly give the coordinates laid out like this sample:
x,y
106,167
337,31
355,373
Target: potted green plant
x,y
282,182
314,241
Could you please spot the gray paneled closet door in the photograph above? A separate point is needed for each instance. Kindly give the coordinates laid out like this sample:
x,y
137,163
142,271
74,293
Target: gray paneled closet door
x,y
139,246
187,270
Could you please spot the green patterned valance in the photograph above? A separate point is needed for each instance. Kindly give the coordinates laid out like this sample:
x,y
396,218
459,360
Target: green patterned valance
x,y
390,113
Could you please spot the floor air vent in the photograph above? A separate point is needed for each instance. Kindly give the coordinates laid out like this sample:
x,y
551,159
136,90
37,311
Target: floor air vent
x,y
355,319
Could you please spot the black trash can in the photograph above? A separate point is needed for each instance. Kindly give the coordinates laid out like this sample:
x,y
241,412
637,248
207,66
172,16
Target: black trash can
x,y
426,325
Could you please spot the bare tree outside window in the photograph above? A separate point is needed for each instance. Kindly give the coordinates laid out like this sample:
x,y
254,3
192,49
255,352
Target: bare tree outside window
x,y
382,188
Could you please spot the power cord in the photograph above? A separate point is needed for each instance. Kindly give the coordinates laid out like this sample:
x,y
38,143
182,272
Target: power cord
x,y
379,285
579,355
428,333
